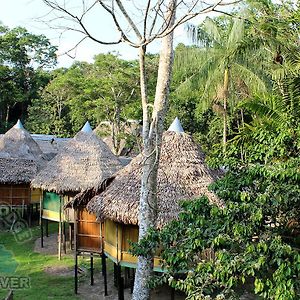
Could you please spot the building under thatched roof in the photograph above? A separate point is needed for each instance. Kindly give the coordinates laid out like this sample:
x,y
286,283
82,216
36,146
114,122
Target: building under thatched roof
x,y
182,174
20,156
84,162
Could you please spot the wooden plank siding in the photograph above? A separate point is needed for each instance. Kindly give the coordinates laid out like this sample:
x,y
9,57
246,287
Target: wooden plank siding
x,y
116,244
15,194
88,232
52,204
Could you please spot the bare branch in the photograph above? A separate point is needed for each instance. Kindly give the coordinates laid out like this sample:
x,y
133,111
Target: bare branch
x,y
73,48
157,9
56,7
146,17
129,20
124,38
190,15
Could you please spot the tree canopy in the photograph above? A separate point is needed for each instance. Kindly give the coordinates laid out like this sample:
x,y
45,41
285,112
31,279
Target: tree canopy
x,y
24,58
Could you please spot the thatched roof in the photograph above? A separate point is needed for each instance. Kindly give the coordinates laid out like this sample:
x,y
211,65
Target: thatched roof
x,y
17,170
84,162
182,174
20,156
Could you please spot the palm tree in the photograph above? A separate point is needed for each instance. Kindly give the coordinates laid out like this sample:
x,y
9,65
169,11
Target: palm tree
x,y
223,65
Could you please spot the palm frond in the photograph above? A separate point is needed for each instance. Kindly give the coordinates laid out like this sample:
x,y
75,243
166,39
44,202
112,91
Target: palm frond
x,y
271,109
252,80
211,28
206,34
236,34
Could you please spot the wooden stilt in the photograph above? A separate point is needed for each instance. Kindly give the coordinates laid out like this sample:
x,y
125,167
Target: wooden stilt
x,y
92,269
172,293
132,281
41,210
104,273
115,275
59,240
120,283
70,236
75,253
42,233
29,214
76,274
23,207
47,228
59,231
64,237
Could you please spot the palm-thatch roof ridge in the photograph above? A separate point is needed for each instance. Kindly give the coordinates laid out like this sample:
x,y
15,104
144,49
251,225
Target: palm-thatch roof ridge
x,y
182,174
20,156
84,162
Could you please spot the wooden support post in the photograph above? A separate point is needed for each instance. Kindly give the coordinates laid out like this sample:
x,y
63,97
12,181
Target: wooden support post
x,y
41,223
42,233
104,273
115,275
47,228
132,281
41,210
23,207
172,293
29,217
59,240
75,253
64,237
70,236
59,231
92,269
120,283
76,274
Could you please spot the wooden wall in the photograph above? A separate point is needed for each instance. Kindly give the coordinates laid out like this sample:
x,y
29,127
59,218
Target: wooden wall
x,y
116,244
36,195
15,194
52,204
88,234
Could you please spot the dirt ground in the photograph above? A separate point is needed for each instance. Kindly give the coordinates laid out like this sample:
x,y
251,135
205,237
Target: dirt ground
x,y
88,292
85,290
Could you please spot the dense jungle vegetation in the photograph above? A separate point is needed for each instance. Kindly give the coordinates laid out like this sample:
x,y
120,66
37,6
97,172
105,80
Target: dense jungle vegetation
x,y
237,91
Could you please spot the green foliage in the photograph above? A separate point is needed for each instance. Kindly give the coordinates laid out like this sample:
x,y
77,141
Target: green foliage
x,y
249,243
22,58
106,90
253,242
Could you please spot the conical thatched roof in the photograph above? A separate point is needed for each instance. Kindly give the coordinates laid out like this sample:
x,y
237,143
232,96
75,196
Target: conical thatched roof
x,y
84,162
182,174
20,156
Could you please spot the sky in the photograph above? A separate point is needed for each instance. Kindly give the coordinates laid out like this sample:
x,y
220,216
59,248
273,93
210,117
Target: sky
x,y
32,14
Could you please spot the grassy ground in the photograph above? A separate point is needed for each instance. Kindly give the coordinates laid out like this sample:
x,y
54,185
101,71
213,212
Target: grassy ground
x,y
32,265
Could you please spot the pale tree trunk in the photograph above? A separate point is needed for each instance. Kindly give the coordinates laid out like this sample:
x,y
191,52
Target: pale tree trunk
x,y
152,143
7,116
225,99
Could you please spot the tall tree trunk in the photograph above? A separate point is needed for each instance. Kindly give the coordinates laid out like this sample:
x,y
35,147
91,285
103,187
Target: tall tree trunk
x,y
225,99
152,144
144,92
7,116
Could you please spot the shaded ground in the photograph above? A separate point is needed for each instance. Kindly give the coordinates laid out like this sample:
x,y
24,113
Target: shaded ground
x,y
85,290
88,292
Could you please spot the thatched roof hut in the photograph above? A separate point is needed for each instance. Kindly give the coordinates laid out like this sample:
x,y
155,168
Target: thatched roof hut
x,y
20,156
182,174
84,162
